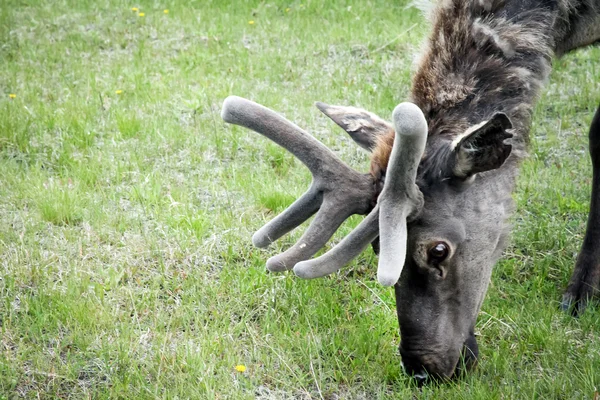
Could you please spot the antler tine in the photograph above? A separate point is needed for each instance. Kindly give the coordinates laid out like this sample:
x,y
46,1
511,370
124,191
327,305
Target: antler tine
x,y
327,221
337,190
400,197
344,252
294,215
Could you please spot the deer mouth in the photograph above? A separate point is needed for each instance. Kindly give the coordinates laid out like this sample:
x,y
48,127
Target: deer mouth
x,y
433,367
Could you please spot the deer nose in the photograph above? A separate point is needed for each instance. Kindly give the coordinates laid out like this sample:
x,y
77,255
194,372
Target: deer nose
x,y
413,367
425,367
420,376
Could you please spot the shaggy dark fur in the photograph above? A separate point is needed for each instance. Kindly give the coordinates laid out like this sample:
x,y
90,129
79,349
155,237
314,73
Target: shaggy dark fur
x,y
485,57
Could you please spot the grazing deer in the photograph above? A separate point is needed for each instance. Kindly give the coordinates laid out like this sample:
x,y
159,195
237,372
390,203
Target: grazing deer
x,y
439,191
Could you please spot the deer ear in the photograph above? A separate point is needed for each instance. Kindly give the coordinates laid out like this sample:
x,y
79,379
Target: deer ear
x,y
482,148
363,126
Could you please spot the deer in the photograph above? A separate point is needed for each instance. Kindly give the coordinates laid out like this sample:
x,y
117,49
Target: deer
x,y
438,196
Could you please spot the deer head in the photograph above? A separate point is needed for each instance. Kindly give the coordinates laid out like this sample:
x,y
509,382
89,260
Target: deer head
x,y
440,224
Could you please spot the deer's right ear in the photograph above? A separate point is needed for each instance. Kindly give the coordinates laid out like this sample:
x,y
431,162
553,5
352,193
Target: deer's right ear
x,y
363,126
482,147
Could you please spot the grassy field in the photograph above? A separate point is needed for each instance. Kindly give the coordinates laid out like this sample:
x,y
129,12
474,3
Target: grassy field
x,y
127,207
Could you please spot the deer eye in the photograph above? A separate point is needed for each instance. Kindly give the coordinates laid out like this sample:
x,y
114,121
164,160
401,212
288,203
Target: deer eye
x,y
438,252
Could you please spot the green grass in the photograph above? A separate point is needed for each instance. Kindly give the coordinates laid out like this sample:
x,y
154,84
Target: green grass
x,y
125,218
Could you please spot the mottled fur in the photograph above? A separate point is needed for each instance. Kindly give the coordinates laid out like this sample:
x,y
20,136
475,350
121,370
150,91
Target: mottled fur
x,y
488,56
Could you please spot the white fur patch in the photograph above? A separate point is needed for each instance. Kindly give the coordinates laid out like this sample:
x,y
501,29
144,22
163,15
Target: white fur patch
x,y
522,73
421,375
482,29
425,6
466,133
486,5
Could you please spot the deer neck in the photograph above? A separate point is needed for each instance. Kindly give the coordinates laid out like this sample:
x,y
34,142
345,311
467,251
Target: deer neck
x,y
488,56
484,57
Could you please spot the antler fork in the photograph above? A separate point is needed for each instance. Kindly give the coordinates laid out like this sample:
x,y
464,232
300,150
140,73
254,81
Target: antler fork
x,y
337,192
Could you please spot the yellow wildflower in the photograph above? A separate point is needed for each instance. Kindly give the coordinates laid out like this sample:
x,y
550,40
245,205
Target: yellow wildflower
x,y
118,91
141,14
166,11
12,95
251,22
135,9
287,9
240,368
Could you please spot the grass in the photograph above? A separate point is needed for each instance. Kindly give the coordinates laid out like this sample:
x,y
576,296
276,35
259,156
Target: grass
x,y
127,207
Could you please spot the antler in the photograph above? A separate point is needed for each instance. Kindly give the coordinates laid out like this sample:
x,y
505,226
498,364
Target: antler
x,y
337,192
399,201
400,198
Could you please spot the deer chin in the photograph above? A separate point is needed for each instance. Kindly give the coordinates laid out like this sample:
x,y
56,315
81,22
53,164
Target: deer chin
x,y
469,356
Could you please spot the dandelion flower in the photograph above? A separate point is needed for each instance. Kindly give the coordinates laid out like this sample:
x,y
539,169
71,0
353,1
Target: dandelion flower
x,y
166,11
135,9
251,22
240,368
118,91
141,14
287,9
12,95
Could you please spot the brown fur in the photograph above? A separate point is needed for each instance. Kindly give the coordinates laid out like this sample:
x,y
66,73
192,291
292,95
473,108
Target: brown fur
x,y
381,154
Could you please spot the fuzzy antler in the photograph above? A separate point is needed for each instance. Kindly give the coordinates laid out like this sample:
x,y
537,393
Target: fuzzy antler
x,y
400,198
337,192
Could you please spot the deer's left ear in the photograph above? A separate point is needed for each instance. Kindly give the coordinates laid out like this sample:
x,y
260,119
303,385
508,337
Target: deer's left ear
x,y
363,126
482,147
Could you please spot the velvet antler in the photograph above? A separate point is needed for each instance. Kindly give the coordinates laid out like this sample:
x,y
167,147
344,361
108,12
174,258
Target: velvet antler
x,y
336,193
